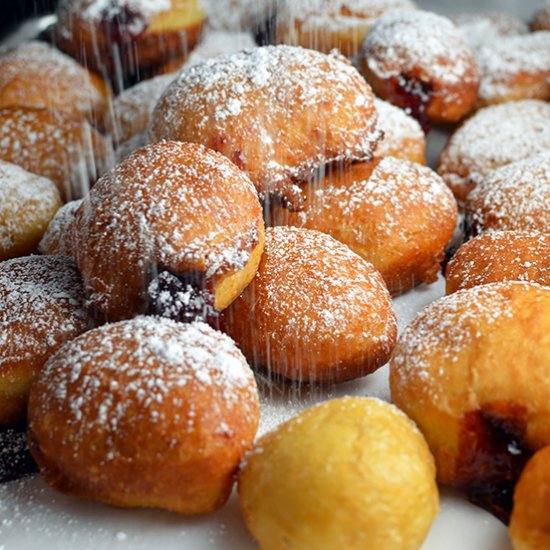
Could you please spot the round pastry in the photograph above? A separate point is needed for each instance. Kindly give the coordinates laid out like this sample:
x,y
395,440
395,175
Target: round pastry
x,y
314,312
111,36
59,236
397,215
43,142
472,371
351,473
514,67
541,19
36,75
403,136
530,523
41,308
500,256
324,25
493,137
277,112
27,204
479,27
420,61
175,229
514,197
161,423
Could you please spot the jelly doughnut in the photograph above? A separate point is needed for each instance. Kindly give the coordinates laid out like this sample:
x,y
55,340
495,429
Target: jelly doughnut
x,y
493,137
500,256
420,61
27,204
278,112
397,215
472,370
145,413
351,473
41,308
314,312
175,229
59,237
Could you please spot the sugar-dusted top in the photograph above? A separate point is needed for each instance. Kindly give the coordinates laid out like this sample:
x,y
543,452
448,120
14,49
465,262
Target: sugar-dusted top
x,y
95,10
413,40
516,197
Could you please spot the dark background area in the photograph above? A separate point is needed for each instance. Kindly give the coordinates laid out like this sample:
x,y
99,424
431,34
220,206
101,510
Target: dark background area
x,y
12,12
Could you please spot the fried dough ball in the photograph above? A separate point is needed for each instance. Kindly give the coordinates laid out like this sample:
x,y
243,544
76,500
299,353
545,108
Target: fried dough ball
x,y
127,36
493,137
351,473
41,308
530,523
277,112
314,312
403,136
541,19
324,25
145,413
27,204
35,74
420,61
397,215
70,153
175,229
513,68
59,236
472,371
514,197
500,256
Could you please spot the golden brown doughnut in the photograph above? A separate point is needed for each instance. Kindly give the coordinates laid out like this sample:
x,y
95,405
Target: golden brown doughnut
x,y
493,137
513,68
145,413
127,36
314,312
403,136
421,62
27,204
500,256
41,308
324,25
351,473
70,153
59,236
530,522
174,229
277,112
514,197
541,19
473,371
35,74
397,215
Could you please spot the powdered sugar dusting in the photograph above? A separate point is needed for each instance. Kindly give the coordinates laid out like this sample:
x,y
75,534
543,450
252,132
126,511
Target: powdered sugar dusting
x,y
58,238
236,15
95,9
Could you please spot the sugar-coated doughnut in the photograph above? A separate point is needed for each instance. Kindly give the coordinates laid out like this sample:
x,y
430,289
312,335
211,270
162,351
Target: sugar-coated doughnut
x,y
500,256
175,229
72,154
278,112
397,215
145,413
27,204
530,522
513,68
59,235
493,137
127,36
514,197
403,136
421,62
324,25
473,371
541,19
41,308
351,473
314,312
